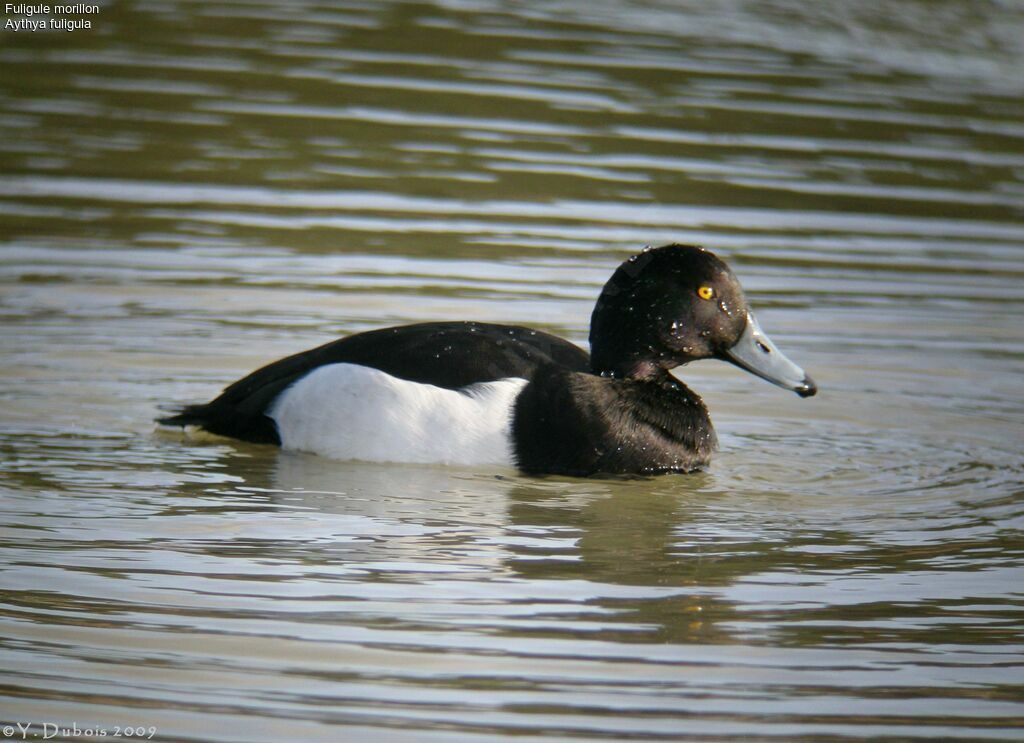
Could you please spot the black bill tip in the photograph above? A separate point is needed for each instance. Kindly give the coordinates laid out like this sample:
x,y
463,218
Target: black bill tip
x,y
807,388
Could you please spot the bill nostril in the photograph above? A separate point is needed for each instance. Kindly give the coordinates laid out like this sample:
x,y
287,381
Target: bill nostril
x,y
763,347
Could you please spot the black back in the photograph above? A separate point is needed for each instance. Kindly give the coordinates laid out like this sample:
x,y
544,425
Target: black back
x,y
445,354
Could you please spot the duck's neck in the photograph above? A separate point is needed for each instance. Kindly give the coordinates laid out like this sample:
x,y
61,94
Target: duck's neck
x,y
636,370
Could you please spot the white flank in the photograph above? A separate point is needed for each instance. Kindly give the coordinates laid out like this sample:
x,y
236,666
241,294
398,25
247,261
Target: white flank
x,y
347,411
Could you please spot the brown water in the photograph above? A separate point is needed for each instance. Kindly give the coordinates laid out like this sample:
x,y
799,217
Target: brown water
x,y
192,189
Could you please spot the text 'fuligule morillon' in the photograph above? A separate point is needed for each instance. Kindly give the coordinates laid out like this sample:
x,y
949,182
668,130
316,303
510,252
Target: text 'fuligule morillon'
x,y
31,10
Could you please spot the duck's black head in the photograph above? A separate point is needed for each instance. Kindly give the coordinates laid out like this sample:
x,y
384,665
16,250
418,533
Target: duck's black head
x,y
670,305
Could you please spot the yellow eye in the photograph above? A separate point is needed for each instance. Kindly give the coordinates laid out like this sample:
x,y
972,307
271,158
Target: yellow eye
x,y
706,292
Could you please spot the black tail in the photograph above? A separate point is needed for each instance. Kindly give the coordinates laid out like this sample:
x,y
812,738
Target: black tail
x,y
226,420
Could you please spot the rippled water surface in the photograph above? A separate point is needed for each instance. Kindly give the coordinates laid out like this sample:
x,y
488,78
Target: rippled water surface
x,y
192,189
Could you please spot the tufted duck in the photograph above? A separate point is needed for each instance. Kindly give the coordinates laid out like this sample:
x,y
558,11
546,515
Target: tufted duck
x,y
484,394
